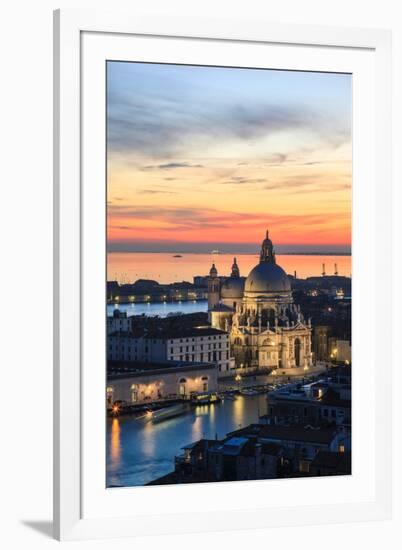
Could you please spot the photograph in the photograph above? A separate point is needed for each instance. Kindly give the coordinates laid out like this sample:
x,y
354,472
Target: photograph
x,y
229,274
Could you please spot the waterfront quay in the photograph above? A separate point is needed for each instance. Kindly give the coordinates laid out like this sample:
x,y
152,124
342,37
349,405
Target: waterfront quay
x,y
149,291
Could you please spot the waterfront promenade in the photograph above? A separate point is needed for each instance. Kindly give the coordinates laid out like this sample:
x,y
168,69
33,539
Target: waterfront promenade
x,y
280,376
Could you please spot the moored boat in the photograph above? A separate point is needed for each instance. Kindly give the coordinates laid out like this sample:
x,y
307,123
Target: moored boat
x,y
205,398
248,391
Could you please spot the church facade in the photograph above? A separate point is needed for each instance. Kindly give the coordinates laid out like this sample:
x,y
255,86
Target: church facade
x,y
267,329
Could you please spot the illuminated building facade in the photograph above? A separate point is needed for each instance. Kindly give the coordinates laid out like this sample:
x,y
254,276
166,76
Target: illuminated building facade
x,y
266,328
135,382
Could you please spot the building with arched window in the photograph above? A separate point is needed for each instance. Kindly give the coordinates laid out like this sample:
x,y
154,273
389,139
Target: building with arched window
x,y
133,382
267,329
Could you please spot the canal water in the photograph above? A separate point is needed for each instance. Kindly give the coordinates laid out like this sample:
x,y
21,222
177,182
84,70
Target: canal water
x,y
163,310
140,451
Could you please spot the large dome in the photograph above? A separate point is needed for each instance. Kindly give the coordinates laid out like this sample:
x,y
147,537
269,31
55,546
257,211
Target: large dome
x,y
233,287
267,277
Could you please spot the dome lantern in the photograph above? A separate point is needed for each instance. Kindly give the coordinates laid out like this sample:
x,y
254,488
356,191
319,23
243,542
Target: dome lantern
x,y
267,278
267,253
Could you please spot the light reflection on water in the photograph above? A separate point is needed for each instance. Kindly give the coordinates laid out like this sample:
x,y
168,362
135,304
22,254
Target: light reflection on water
x,y
115,440
139,451
165,268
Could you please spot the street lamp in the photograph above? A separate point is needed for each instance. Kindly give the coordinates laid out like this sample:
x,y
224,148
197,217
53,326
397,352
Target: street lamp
x,y
238,380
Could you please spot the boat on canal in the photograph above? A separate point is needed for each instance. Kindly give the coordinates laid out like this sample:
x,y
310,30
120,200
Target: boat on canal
x,y
249,391
205,398
168,412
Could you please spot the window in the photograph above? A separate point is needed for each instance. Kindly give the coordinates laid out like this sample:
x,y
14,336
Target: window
x,y
182,387
297,352
109,395
134,393
341,448
304,466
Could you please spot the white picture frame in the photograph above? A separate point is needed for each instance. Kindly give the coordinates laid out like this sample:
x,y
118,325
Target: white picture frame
x,y
83,507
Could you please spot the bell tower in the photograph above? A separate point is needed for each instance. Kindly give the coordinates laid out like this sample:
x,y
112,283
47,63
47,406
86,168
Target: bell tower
x,y
235,269
213,287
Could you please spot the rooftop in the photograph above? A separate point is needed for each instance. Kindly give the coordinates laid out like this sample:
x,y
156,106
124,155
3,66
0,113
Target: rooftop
x,y
183,332
341,462
117,370
307,434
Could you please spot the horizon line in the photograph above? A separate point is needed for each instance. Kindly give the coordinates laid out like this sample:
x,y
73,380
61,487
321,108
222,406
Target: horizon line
x,y
223,253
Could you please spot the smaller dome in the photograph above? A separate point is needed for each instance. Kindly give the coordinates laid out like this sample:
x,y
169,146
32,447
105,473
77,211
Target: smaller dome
x,y
233,287
213,272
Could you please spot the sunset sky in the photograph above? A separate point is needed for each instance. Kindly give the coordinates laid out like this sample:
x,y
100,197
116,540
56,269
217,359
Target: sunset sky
x,y
201,158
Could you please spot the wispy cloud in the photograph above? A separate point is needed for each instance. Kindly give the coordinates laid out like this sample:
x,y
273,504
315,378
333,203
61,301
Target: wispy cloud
x,y
240,180
170,122
308,183
156,192
179,218
170,166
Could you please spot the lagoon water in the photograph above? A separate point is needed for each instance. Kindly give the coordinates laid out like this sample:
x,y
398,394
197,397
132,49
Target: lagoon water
x,y
166,268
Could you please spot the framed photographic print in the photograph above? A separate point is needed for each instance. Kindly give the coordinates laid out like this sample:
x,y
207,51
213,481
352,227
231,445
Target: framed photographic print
x,y
217,186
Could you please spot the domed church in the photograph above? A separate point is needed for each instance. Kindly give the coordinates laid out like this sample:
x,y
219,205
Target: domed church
x,y
267,330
